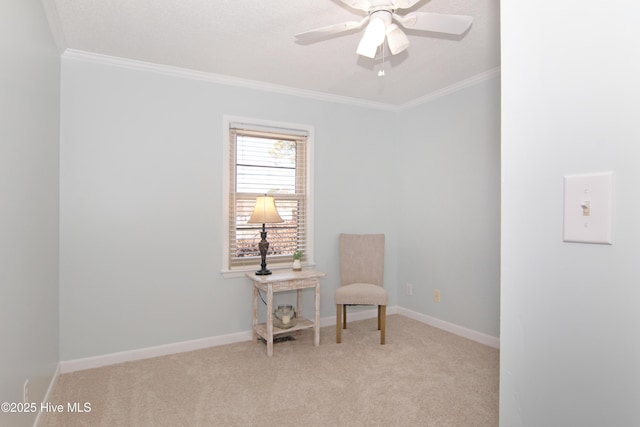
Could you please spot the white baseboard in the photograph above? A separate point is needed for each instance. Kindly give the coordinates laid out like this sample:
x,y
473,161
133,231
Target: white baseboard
x,y
184,346
357,314
47,395
431,321
149,352
451,327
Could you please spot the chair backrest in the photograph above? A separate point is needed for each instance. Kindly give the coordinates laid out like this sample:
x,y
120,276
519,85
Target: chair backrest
x,y
361,258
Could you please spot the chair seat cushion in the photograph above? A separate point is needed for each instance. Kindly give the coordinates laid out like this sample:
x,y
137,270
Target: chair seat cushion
x,y
361,293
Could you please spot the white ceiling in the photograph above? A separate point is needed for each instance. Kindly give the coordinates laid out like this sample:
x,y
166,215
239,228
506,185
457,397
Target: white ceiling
x,y
254,40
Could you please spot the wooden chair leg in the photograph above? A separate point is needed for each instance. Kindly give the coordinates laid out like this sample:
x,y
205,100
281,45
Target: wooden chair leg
x,y
344,316
382,321
338,323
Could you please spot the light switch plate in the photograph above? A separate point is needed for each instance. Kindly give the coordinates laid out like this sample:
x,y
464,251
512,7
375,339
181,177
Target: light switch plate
x,y
588,208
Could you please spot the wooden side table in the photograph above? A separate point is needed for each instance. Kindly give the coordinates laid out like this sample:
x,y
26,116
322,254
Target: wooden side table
x,y
288,281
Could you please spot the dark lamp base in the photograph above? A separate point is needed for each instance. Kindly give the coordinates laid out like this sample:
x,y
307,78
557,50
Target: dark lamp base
x,y
263,272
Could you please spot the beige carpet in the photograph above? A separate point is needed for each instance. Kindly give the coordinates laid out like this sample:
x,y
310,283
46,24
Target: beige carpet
x,y
423,376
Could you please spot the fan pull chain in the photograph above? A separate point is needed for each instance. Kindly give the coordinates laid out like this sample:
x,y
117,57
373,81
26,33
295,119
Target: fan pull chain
x,y
381,70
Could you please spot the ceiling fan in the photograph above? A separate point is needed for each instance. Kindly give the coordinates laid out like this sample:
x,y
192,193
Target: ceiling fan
x,y
380,21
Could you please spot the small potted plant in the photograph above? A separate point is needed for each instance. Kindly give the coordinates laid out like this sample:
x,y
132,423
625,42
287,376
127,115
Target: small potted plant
x,y
297,256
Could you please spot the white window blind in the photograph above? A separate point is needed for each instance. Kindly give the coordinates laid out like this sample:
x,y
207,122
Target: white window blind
x,y
273,161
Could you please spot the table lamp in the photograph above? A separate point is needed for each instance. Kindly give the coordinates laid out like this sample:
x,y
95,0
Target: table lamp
x,y
264,212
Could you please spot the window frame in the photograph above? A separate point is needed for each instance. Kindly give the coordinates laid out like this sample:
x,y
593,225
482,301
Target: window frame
x,y
268,126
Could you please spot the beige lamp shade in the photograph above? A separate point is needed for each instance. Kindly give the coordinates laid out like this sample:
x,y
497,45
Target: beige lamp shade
x,y
265,211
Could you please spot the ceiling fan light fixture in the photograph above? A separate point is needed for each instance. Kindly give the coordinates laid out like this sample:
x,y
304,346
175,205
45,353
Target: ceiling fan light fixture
x,y
396,39
373,37
381,22
366,48
375,31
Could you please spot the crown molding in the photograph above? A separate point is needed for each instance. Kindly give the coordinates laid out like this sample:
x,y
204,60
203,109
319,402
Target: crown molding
x,y
471,81
132,64
80,55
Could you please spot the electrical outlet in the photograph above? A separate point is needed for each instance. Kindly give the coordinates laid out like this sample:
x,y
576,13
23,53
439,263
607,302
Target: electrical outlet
x,y
25,392
409,289
436,295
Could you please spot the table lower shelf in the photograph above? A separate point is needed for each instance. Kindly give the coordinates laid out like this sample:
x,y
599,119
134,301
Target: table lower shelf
x,y
261,329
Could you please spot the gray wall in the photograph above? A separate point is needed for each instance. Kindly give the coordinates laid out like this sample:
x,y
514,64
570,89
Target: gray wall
x,y
29,134
449,208
141,202
141,197
570,342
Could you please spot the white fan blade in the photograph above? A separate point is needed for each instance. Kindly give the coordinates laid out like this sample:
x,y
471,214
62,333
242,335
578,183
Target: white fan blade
x,y
329,30
404,4
450,24
358,4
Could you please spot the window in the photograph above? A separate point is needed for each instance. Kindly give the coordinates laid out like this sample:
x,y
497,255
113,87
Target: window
x,y
266,158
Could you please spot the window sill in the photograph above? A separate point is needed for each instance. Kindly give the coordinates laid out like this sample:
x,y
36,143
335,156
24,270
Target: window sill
x,y
277,268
